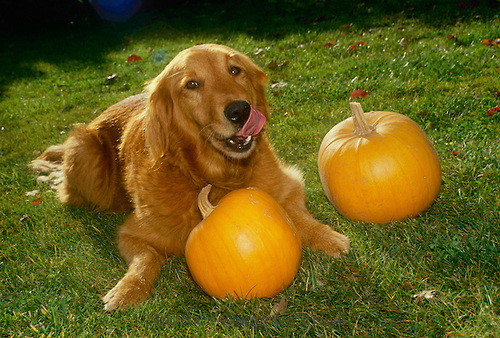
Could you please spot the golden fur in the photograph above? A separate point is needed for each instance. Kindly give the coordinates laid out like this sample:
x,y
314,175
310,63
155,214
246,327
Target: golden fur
x,y
153,152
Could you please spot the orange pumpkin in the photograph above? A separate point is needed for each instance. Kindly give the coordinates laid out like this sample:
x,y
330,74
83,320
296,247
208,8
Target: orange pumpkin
x,y
378,167
245,247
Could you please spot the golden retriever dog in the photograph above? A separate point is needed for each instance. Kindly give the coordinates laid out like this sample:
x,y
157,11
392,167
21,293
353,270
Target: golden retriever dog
x,y
201,121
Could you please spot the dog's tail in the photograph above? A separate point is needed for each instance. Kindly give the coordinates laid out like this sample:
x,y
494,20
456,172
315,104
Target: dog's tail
x,y
50,162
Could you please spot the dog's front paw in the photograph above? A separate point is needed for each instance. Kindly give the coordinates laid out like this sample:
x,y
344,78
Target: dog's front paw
x,y
128,292
331,242
337,244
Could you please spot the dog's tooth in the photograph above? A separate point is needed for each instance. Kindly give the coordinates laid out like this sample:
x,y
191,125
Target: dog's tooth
x,y
239,142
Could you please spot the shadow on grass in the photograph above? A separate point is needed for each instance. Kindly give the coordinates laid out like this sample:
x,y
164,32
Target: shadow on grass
x,y
101,228
76,35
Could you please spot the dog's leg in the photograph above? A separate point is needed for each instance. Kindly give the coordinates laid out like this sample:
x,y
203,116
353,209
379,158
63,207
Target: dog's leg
x,y
91,173
314,234
144,266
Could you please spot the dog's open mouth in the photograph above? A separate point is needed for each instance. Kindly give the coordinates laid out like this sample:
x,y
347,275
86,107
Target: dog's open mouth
x,y
242,141
239,144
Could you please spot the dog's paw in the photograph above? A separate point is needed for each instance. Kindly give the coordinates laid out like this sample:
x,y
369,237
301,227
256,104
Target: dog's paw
x,y
333,243
341,245
128,292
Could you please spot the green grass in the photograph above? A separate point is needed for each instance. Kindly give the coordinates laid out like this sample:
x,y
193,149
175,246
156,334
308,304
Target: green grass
x,y
57,262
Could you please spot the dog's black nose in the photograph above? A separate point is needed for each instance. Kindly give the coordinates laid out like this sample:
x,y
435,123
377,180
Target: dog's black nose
x,y
237,112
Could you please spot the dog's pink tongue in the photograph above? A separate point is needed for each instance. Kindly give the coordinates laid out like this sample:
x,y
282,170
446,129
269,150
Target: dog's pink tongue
x,y
254,124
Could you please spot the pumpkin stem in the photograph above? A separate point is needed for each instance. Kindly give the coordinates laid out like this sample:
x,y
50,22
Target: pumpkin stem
x,y
203,203
361,125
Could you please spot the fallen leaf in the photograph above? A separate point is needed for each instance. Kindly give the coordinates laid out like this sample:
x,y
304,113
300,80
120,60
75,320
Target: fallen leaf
x,y
407,285
455,152
279,85
451,37
259,52
360,43
134,58
36,201
111,79
426,294
272,65
359,93
493,110
24,217
32,193
289,114
329,44
351,47
491,42
280,308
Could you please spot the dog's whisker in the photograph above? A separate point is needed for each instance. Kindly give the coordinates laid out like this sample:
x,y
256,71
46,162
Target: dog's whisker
x,y
211,135
208,126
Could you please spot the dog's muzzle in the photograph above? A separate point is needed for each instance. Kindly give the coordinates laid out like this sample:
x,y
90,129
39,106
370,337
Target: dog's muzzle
x,y
250,122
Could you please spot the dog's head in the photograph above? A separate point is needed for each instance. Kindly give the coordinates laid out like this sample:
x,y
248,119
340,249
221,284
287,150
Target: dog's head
x,y
209,94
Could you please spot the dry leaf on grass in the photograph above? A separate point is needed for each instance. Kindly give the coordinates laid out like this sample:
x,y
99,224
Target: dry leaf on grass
x,y
493,110
111,79
134,58
280,308
32,193
407,285
359,94
259,52
491,42
278,85
426,294
273,64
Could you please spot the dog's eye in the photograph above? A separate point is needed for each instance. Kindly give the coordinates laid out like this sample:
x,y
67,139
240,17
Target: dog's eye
x,y
234,70
192,85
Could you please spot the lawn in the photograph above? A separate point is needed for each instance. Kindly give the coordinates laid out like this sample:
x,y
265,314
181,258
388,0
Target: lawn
x,y
432,276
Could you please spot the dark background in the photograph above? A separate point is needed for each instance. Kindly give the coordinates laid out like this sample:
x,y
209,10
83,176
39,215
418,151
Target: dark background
x,y
27,14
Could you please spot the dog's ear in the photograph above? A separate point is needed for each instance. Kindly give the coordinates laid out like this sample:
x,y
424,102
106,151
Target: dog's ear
x,y
157,117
